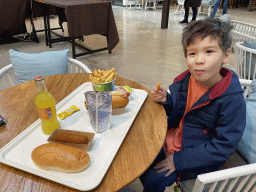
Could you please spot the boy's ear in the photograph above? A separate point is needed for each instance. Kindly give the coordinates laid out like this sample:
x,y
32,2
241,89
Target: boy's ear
x,y
226,57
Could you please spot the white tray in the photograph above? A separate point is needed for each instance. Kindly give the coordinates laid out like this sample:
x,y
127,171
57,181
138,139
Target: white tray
x,y
103,148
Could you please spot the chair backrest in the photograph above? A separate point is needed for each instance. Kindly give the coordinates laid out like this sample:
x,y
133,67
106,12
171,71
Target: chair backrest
x,y
181,2
76,66
247,86
7,75
207,2
180,7
241,178
245,62
242,31
236,179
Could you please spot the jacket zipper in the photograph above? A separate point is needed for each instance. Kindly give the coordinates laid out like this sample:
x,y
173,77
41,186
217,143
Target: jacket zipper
x,y
201,105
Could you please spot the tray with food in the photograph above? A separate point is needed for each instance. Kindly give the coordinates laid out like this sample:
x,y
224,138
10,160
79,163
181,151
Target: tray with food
x,y
53,157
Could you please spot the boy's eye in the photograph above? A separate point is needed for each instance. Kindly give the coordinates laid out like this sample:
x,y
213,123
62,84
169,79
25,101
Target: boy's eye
x,y
191,53
209,51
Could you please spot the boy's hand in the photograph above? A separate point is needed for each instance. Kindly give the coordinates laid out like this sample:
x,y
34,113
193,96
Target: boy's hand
x,y
160,95
166,164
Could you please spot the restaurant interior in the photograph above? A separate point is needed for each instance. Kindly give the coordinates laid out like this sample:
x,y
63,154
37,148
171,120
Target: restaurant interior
x,y
142,43
145,53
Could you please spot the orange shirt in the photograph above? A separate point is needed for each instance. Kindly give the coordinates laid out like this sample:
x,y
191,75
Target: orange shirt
x,y
173,140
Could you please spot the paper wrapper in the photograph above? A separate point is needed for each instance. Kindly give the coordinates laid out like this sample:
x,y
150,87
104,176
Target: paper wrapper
x,y
81,146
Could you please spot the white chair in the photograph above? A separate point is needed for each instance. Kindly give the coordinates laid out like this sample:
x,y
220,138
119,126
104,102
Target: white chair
x,y
245,174
242,31
206,3
7,75
76,66
240,178
180,7
135,2
150,1
245,64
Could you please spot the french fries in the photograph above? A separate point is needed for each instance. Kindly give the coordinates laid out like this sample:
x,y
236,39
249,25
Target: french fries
x,y
103,76
158,85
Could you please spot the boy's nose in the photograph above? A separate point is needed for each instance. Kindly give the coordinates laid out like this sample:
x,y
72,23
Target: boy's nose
x,y
200,59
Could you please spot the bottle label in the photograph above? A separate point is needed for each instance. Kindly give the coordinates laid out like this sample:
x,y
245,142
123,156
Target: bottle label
x,y
44,113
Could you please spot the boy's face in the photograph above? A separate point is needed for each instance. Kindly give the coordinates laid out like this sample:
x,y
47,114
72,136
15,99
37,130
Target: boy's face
x,y
205,59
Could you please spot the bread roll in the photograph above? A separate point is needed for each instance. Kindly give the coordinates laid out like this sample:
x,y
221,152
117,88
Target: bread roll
x,y
118,102
60,157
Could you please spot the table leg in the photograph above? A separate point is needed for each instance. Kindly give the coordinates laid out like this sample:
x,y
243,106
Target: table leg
x,y
73,47
33,35
48,26
249,6
165,14
45,25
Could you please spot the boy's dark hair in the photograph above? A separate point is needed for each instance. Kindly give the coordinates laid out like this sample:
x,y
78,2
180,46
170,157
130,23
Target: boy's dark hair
x,y
207,27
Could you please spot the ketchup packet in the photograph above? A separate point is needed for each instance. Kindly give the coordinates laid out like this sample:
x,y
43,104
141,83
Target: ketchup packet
x,y
125,90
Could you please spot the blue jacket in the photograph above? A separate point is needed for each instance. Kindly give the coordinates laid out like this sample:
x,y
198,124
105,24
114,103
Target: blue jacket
x,y
212,128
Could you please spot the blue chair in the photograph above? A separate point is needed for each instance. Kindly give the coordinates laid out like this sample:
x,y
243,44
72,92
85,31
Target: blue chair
x,y
25,66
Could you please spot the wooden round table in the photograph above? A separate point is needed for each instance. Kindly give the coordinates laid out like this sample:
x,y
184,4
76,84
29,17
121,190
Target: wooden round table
x,y
138,150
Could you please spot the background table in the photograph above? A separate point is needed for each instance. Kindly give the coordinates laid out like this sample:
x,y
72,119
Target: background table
x,y
85,17
138,150
12,14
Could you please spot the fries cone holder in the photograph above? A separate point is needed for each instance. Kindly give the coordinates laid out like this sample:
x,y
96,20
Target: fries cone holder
x,y
100,109
108,86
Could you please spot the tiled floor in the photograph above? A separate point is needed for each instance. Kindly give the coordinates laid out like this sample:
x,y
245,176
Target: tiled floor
x,y
146,53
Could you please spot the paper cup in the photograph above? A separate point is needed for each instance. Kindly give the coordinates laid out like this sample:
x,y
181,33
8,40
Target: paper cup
x,y
99,109
109,86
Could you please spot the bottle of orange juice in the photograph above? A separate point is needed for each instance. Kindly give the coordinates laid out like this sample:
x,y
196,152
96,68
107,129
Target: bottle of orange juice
x,y
45,105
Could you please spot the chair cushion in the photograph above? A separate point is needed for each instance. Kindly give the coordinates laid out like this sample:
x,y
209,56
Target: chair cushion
x,y
251,45
28,65
247,146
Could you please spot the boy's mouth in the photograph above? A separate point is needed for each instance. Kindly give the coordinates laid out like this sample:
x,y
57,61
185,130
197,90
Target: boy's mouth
x,y
199,72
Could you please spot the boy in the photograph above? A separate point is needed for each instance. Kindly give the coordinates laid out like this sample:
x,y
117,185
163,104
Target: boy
x,y
205,109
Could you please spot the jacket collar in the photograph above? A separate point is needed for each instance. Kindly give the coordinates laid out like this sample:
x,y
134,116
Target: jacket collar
x,y
223,84
182,76
218,89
